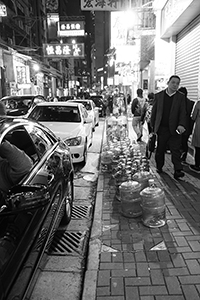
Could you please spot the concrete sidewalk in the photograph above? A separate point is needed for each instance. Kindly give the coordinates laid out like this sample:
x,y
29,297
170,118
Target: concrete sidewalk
x,y
128,261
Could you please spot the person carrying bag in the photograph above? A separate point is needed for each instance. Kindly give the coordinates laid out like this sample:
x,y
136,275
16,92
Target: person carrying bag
x,y
151,144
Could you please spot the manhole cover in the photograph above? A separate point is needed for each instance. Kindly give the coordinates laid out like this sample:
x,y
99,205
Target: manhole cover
x,y
80,211
68,242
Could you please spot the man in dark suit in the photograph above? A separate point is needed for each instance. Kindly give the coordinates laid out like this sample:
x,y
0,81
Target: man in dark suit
x,y
168,120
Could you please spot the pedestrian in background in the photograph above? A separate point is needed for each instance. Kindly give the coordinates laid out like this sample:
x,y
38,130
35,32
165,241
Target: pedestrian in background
x,y
168,120
128,99
150,100
195,142
138,109
189,125
110,103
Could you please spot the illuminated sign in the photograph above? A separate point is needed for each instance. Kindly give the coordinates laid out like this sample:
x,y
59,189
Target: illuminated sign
x,y
70,28
63,50
3,10
105,4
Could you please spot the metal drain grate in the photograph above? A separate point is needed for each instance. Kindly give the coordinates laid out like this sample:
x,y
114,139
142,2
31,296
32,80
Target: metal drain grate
x,y
67,242
80,211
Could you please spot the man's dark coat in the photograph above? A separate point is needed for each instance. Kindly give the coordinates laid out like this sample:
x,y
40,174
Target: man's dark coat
x,y
177,114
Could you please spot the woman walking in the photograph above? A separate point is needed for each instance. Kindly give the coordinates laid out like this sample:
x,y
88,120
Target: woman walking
x,y
195,142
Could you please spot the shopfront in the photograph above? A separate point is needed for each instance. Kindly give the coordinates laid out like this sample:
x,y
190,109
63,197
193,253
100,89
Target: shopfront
x,y
179,23
21,70
187,63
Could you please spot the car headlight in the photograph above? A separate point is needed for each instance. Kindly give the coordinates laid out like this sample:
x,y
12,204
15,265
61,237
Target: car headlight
x,y
74,141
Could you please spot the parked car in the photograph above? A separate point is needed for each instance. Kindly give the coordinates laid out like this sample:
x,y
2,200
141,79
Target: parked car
x,y
98,100
70,122
92,109
19,105
33,209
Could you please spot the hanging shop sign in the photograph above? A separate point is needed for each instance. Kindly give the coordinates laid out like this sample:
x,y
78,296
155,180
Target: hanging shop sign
x,y
110,5
3,10
51,6
71,28
63,50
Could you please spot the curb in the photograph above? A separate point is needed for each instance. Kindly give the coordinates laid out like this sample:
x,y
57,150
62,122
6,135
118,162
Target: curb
x,y
94,249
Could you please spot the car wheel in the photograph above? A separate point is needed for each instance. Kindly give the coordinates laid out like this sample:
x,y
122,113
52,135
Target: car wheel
x,y
69,197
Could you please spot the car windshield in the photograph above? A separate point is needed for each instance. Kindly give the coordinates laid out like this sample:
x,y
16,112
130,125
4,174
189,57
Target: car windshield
x,y
15,103
56,114
87,105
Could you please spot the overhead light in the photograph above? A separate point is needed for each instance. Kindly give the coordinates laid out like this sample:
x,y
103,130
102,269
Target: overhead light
x,y
36,67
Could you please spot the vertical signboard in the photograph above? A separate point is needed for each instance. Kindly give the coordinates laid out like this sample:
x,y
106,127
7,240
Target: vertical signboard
x,y
52,7
3,10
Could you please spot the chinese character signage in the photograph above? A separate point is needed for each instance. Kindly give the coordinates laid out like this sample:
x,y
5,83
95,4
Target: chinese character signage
x,y
63,50
3,10
70,28
105,4
21,74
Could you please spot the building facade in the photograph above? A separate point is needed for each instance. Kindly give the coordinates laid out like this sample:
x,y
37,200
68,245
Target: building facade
x,y
25,29
178,43
22,33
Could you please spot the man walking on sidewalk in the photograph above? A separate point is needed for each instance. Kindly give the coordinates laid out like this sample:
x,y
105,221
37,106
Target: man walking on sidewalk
x,y
168,120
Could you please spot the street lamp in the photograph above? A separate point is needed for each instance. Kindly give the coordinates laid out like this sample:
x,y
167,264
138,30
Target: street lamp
x,y
36,67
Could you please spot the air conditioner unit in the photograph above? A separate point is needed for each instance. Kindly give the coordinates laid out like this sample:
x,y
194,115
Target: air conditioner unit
x,y
13,84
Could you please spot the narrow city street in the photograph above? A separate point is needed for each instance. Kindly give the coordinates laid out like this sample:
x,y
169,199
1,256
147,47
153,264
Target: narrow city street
x,y
99,150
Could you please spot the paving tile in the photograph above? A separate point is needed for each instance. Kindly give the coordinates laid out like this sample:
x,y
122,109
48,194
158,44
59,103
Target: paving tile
x,y
105,257
117,286
132,293
137,271
117,257
176,271
103,278
110,298
137,281
193,266
195,245
157,277
173,285
189,279
111,266
190,292
171,297
153,290
103,291
123,273
178,260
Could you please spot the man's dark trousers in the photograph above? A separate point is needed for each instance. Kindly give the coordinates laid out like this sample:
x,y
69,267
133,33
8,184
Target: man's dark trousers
x,y
173,142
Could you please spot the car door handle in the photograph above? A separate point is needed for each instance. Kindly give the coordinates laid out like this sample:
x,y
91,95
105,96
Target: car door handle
x,y
50,178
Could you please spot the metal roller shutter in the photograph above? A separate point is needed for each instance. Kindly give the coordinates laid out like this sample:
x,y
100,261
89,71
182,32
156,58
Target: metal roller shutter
x,y
187,63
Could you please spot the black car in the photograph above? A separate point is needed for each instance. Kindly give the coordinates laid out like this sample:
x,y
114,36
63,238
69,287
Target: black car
x,y
19,105
98,100
31,211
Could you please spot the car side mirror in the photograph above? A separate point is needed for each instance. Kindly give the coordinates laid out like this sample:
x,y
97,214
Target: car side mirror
x,y
21,198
